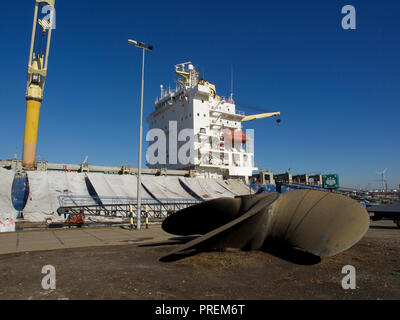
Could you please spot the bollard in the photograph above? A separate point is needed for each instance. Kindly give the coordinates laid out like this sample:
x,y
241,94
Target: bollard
x,y
147,217
131,213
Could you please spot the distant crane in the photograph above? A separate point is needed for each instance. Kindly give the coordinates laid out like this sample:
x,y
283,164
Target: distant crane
x,y
384,180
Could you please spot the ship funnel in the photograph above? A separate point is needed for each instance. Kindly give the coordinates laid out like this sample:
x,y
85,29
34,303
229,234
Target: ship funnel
x,y
321,223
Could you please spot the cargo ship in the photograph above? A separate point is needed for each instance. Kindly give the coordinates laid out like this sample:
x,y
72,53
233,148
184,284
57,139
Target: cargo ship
x,y
219,147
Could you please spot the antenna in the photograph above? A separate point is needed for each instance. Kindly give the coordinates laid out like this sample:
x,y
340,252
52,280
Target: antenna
x,y
86,159
231,82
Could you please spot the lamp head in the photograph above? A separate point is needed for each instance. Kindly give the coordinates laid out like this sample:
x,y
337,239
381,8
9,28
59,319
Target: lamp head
x,y
133,42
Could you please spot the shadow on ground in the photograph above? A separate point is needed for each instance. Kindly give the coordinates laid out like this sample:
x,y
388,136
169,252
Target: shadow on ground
x,y
170,242
279,250
291,254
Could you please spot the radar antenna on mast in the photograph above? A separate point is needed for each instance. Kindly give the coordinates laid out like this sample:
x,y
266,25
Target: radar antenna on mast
x,y
231,83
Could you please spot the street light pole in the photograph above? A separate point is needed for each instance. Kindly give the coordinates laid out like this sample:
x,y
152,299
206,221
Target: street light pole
x,y
139,197
139,180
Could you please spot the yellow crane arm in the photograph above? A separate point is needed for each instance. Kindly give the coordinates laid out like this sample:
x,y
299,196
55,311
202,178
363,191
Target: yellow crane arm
x,y
260,116
37,72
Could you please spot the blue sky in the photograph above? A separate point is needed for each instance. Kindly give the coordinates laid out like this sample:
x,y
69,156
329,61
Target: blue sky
x,y
338,90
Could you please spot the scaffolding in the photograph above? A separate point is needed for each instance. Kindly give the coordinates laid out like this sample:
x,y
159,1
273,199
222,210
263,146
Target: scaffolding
x,y
154,210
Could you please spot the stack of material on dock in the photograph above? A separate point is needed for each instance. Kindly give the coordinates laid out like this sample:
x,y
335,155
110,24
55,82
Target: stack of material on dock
x,y
205,188
165,188
236,186
50,190
385,208
46,188
7,210
115,186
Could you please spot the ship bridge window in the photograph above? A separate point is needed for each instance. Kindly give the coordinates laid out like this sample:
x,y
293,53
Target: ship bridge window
x,y
202,130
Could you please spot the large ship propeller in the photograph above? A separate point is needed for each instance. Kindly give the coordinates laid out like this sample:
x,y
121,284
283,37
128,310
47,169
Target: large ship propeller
x,y
321,223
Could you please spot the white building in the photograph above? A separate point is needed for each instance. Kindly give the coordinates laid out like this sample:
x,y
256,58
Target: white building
x,y
218,146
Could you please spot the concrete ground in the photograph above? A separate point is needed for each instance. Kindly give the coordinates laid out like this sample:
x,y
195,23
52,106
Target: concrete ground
x,y
113,263
29,241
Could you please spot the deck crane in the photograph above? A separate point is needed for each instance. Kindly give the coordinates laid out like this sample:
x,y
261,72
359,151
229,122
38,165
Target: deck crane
x,y
240,136
265,114
37,73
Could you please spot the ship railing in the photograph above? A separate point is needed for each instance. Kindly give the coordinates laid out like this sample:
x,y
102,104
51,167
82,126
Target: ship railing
x,y
219,109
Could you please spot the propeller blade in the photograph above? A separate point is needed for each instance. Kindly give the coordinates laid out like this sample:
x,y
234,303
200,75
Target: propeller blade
x,y
322,223
246,230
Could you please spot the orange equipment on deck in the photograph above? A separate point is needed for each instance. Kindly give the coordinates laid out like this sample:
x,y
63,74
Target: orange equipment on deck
x,y
235,137
75,220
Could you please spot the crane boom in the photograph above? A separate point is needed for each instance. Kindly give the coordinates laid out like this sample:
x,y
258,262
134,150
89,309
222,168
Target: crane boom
x,y
260,116
37,73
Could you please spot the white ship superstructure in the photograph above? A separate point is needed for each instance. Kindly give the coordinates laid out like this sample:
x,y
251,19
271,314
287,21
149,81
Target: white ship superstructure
x,y
220,147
